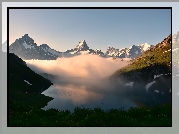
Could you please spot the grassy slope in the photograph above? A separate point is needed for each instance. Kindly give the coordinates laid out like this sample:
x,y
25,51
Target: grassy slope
x,y
152,62
32,116
141,71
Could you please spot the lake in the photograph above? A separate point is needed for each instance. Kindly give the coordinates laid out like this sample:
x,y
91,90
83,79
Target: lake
x,y
69,93
69,96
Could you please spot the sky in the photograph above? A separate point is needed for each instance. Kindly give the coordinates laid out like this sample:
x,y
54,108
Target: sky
x,y
63,29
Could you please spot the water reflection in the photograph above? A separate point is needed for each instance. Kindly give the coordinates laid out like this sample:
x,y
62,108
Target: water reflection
x,y
67,97
102,93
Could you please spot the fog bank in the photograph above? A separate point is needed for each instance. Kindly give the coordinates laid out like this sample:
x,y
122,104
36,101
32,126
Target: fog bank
x,y
84,66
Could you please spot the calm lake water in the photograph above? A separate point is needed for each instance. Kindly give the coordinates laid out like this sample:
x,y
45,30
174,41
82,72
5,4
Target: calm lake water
x,y
67,97
91,93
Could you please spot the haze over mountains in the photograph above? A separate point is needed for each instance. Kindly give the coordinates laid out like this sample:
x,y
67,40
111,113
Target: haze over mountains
x,y
27,49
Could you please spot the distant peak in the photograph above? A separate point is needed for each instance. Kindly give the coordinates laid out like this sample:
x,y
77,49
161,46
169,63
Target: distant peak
x,y
44,45
82,42
25,35
133,46
82,45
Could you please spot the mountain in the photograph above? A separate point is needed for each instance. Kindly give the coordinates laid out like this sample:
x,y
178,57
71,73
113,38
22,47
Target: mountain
x,y
23,82
49,76
26,49
157,55
17,60
144,68
131,52
80,49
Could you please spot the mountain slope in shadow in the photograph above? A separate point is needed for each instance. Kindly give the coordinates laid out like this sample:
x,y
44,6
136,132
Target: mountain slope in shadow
x,y
23,82
155,62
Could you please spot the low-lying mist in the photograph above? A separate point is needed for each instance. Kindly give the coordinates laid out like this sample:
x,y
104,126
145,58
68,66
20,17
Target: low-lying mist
x,y
89,71
85,66
88,75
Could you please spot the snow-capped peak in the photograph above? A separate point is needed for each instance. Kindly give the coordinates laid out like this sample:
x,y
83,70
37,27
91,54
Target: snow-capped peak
x,y
145,46
45,46
82,46
132,46
132,51
81,43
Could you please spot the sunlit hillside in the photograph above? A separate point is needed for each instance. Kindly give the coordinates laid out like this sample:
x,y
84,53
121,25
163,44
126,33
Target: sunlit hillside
x,y
155,61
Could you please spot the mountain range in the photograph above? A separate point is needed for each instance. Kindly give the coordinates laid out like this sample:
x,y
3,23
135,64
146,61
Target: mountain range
x,y
27,49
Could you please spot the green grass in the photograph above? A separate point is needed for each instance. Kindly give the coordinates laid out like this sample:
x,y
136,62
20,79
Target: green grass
x,y
152,57
152,62
27,115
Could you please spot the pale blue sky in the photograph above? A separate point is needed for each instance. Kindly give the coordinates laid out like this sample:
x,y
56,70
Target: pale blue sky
x,y
62,29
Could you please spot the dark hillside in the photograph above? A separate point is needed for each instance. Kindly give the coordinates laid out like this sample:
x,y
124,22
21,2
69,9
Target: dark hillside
x,y
142,70
23,82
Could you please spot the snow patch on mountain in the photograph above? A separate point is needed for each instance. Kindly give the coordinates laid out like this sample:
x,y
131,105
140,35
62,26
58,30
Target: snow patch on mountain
x,y
53,52
27,82
130,84
30,50
27,46
149,84
145,46
156,91
130,52
155,76
85,52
